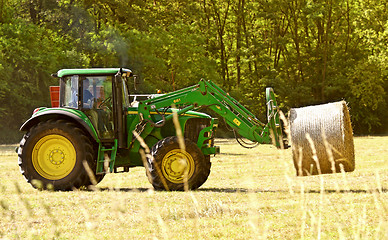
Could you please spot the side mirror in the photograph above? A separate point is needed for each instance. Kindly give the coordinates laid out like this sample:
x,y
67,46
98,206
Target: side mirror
x,y
136,82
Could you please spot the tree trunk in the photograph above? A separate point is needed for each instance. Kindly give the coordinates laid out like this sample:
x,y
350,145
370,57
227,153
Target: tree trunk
x,y
220,22
240,13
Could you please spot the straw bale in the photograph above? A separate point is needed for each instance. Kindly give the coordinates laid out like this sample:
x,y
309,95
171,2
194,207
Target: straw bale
x,y
322,139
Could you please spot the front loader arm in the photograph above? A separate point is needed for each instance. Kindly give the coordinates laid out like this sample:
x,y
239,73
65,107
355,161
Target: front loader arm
x,y
208,94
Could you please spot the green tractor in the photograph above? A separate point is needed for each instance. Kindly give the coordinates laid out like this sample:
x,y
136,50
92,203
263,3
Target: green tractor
x,y
97,128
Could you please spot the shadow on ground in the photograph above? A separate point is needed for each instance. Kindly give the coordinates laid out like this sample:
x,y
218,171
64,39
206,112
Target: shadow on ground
x,y
245,190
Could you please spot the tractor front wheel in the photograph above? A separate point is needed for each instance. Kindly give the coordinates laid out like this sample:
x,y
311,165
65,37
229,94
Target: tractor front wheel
x,y
52,153
175,169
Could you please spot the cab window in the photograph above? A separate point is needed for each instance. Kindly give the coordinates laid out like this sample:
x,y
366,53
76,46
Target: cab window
x,y
70,93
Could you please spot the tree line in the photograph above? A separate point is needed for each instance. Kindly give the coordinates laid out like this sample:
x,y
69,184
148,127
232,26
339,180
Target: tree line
x,y
309,51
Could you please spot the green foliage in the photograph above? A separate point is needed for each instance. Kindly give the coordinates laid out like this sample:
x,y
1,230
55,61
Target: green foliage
x,y
29,55
310,52
368,96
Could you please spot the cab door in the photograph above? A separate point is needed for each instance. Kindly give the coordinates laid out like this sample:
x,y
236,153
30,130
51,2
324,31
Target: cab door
x,y
96,100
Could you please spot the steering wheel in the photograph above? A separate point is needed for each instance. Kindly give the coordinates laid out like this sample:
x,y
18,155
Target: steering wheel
x,y
105,102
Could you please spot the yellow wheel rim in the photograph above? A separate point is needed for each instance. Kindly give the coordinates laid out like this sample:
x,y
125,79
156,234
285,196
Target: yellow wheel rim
x,y
53,157
176,164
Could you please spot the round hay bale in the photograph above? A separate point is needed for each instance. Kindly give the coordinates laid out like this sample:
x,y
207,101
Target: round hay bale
x,y
322,139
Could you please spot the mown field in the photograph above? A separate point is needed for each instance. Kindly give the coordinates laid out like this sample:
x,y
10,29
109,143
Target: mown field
x,y
250,194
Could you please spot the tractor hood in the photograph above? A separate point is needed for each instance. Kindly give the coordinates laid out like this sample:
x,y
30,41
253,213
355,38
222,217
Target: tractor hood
x,y
134,110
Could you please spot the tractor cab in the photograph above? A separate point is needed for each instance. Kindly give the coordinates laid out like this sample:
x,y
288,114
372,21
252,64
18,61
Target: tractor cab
x,y
101,94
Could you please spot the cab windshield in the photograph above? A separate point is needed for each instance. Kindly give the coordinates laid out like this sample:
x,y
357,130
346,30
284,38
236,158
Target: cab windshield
x,y
95,90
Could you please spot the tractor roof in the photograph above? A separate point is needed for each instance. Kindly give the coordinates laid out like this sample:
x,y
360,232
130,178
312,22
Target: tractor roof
x,y
91,71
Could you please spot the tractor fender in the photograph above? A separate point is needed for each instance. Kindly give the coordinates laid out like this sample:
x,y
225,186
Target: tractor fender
x,y
66,114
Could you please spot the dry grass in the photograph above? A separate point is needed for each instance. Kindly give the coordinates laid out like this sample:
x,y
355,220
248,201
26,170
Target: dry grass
x,y
250,194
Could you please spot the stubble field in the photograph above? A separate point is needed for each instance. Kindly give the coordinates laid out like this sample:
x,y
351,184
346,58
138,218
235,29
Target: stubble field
x,y
250,194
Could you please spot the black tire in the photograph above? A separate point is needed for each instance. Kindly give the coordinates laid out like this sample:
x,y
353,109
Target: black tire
x,y
52,153
165,165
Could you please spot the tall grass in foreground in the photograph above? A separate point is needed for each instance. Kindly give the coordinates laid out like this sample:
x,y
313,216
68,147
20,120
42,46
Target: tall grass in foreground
x,y
250,194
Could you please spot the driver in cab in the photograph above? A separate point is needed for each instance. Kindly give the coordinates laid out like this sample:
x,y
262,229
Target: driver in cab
x,y
87,95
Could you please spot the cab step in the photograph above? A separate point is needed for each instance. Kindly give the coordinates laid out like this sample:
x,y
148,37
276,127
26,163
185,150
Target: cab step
x,y
111,151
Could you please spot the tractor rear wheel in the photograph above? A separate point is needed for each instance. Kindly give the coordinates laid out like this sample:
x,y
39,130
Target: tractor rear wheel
x,y
175,169
52,153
